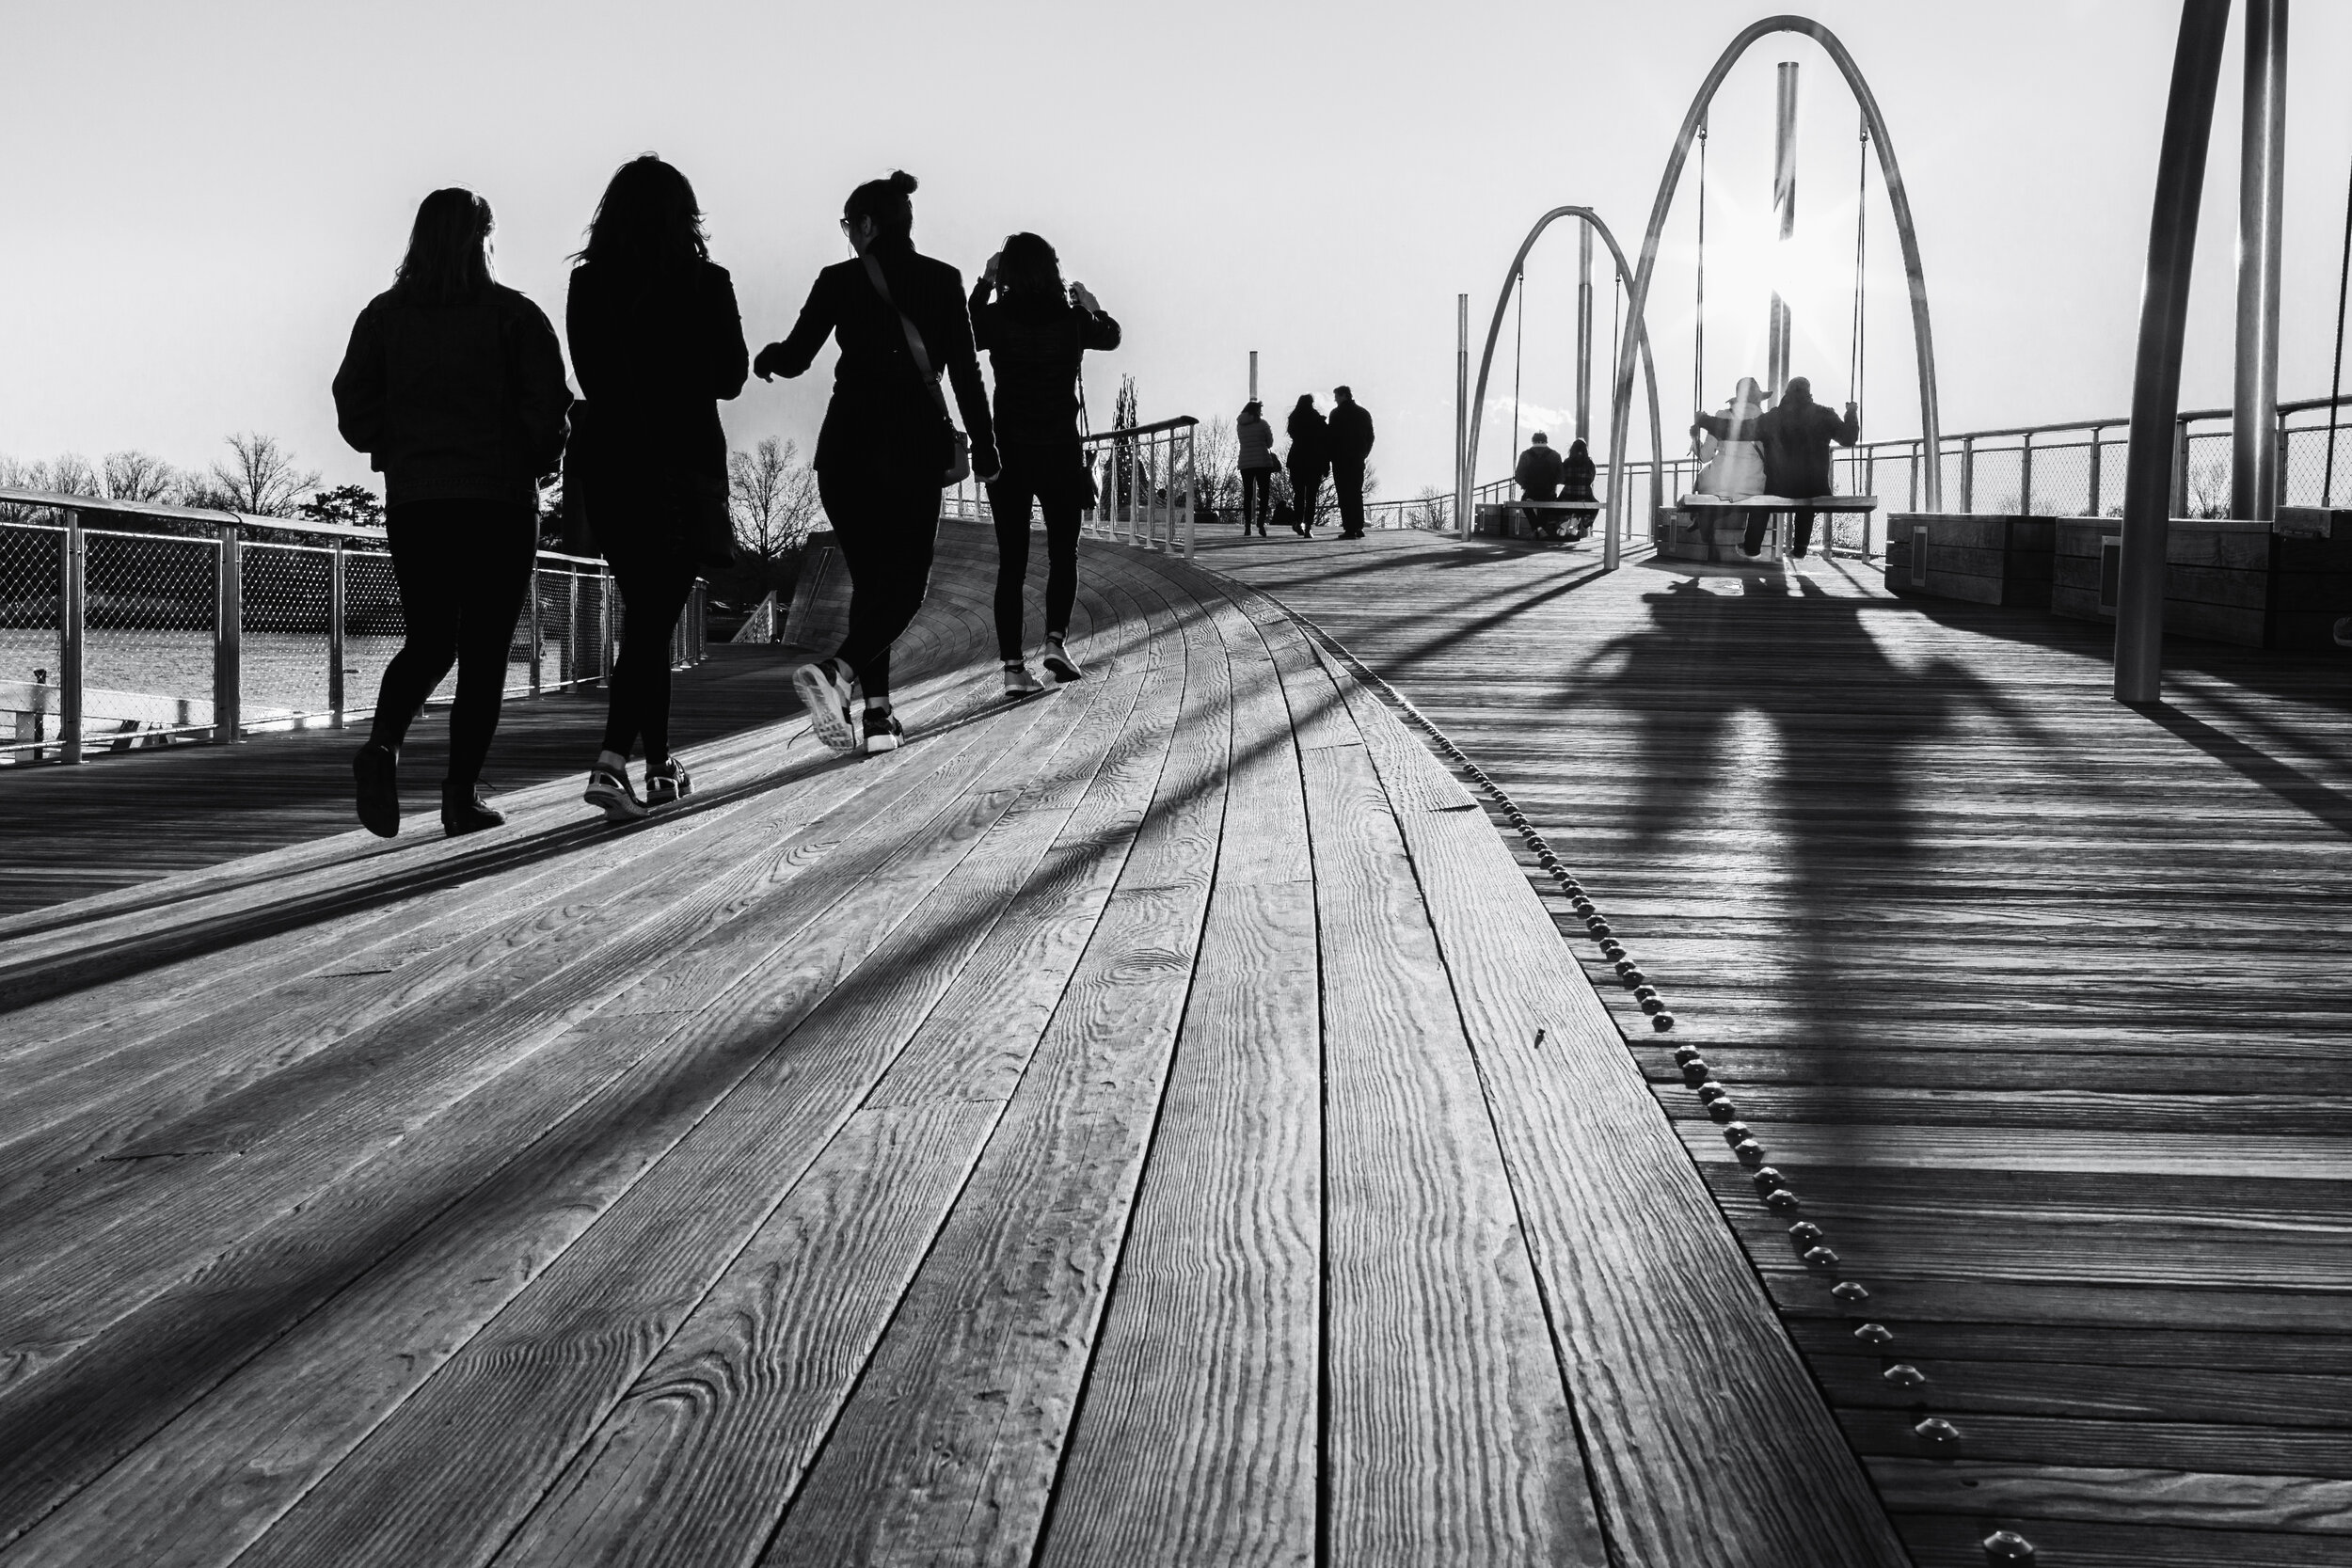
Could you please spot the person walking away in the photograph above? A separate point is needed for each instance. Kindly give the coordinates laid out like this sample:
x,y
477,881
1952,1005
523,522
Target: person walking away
x,y
1537,472
452,384
657,342
1795,434
1349,432
886,447
1257,465
1036,331
1309,461
1576,474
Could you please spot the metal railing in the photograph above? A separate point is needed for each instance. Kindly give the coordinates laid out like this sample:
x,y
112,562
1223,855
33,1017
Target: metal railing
x,y
1145,487
129,624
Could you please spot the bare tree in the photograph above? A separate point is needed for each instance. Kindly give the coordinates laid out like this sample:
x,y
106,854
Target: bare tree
x,y
773,496
1216,463
261,477
72,475
138,476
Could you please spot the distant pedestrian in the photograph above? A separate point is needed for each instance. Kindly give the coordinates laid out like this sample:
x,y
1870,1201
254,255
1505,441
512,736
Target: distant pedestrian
x,y
1036,333
1309,461
1350,433
888,446
1258,463
454,386
1795,434
657,342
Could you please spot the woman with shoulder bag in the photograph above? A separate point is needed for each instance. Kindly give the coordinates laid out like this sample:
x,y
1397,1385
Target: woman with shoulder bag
x,y
888,446
453,387
1035,333
657,343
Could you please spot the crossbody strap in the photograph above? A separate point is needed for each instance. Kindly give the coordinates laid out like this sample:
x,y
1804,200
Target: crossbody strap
x,y
914,336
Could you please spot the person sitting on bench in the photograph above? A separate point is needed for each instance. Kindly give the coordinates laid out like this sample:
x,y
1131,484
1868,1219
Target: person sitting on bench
x,y
1537,475
1795,434
1575,482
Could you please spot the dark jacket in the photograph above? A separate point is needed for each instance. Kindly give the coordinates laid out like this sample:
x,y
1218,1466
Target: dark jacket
x,y
654,357
1576,474
454,402
1036,360
1795,435
1350,432
1311,442
1538,474
1255,439
882,418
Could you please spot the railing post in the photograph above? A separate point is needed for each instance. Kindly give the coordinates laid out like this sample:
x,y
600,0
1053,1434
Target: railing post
x,y
2093,509
534,622
70,604
335,590
228,638
605,631
571,626
2177,506
2025,477
1192,492
1968,475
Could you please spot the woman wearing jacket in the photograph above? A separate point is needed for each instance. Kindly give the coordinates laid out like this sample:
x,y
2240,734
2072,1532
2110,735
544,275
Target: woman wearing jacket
x,y
885,447
1035,334
657,343
1309,461
1257,465
453,387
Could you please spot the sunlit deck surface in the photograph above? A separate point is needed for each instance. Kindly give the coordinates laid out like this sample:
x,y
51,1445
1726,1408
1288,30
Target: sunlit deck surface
x,y
2040,1004
1157,1123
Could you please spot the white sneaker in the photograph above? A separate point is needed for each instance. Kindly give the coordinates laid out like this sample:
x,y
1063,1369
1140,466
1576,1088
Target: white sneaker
x,y
667,784
883,732
1018,681
825,690
1059,663
608,789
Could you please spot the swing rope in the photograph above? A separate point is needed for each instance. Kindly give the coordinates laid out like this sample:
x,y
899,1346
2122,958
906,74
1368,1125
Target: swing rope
x,y
2335,380
1699,314
1518,353
1861,252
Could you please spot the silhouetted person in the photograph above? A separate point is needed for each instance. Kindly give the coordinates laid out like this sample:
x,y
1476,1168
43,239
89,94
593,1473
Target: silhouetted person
x,y
1537,475
1349,433
1734,469
1576,474
1035,334
1795,434
1310,460
656,340
1257,465
885,451
453,387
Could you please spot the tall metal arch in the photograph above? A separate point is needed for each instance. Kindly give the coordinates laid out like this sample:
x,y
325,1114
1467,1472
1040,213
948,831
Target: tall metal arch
x,y
1930,429
1617,447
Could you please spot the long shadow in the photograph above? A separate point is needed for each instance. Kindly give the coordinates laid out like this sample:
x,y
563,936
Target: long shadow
x,y
2290,783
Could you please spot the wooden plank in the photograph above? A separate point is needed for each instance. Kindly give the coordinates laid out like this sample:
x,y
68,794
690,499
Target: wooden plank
x,y
2141,1495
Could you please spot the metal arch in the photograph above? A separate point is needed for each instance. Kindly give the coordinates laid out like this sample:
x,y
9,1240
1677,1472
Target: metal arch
x,y
1621,391
1617,448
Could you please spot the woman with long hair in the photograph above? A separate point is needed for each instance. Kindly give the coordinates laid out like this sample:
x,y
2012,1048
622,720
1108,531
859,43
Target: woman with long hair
x,y
1309,461
1036,331
888,446
1256,465
454,386
657,343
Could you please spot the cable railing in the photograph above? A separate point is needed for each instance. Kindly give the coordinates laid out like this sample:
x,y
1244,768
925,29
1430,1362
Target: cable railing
x,y
1145,487
131,625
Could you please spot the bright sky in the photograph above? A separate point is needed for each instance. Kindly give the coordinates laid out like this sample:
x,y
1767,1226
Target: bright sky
x,y
200,198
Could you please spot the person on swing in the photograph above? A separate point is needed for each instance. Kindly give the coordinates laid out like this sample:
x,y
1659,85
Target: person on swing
x,y
1795,434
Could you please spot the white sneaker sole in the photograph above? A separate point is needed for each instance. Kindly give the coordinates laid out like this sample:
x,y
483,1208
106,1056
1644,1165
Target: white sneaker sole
x,y
877,744
616,808
828,714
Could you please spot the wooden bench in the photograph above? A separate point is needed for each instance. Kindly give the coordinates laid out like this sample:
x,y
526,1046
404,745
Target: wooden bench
x,y
1701,529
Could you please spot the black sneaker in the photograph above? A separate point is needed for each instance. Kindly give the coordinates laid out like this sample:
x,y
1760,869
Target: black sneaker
x,y
667,784
464,811
825,690
882,732
1059,663
609,792
377,770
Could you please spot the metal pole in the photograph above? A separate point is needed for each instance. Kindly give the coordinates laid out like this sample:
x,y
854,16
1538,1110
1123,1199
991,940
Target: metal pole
x,y
228,638
1968,474
1461,417
334,599
534,622
2262,168
2093,509
571,626
1253,375
2177,504
2025,477
1584,332
1785,212
2156,366
72,602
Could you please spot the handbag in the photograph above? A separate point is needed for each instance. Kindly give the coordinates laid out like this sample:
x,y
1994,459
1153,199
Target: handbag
x,y
1089,493
959,445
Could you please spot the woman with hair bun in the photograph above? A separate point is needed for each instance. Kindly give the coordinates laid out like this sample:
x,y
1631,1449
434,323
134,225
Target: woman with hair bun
x,y
887,445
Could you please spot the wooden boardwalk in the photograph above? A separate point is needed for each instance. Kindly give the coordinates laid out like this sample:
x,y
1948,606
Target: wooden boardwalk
x,y
2040,1004
1156,1123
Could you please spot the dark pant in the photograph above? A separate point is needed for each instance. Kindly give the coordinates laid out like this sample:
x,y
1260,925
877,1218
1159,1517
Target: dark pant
x,y
1256,485
1305,494
1348,480
1050,477
1801,540
463,567
655,585
886,527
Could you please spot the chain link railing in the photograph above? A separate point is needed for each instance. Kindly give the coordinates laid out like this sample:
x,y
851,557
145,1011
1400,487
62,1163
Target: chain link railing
x,y
115,634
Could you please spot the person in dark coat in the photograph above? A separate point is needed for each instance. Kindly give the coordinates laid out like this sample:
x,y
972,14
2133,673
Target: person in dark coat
x,y
454,386
884,450
1257,465
1035,333
1349,432
1309,461
1576,474
657,342
1537,475
1795,434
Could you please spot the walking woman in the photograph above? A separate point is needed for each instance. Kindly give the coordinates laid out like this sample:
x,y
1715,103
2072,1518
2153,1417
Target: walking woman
x,y
453,387
1258,463
1309,461
657,342
1035,333
888,446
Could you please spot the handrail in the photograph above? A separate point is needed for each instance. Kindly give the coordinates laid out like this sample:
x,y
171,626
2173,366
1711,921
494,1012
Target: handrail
x,y
1182,421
